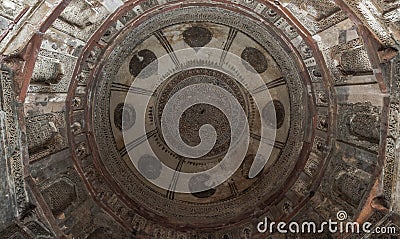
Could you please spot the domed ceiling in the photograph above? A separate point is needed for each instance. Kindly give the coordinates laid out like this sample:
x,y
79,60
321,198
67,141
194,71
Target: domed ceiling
x,y
197,119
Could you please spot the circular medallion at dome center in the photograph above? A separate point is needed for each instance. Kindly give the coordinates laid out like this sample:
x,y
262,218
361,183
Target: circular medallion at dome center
x,y
200,114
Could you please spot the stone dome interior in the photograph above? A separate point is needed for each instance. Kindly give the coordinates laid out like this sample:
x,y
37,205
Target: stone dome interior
x,y
300,99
